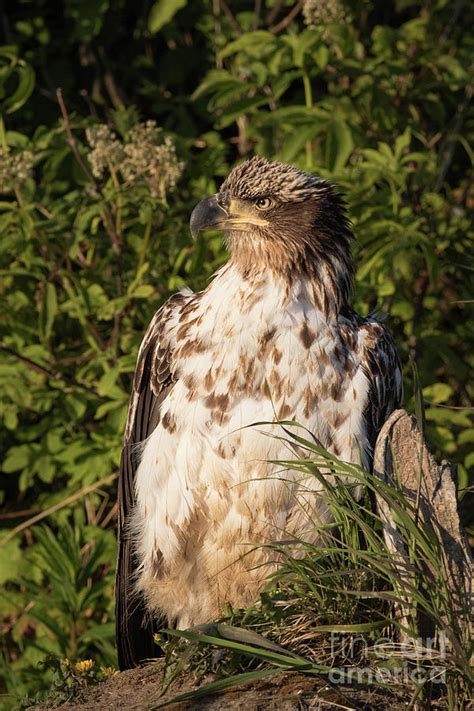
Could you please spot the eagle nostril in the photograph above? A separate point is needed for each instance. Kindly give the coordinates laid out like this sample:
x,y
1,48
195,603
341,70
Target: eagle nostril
x,y
223,199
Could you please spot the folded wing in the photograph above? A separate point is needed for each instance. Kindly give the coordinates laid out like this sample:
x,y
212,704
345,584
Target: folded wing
x,y
152,382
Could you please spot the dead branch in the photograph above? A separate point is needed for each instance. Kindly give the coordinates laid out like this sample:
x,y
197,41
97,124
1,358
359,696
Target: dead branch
x,y
108,220
288,19
57,507
401,455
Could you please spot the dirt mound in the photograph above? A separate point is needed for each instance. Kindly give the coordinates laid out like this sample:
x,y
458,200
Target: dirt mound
x,y
142,689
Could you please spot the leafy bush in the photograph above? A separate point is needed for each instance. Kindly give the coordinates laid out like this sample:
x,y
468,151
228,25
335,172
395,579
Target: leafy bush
x,y
94,237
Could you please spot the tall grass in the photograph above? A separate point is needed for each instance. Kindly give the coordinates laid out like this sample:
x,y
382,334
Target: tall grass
x,y
345,608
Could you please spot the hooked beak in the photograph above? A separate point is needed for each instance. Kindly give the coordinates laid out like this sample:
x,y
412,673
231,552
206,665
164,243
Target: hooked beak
x,y
207,215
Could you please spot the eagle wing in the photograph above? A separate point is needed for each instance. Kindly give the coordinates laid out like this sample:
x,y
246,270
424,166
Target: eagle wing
x,y
153,380
381,365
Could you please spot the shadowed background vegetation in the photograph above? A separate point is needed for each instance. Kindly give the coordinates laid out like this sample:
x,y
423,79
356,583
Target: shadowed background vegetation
x,y
116,117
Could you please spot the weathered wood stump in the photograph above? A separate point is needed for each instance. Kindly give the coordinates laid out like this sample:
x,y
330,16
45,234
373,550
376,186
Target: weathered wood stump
x,y
401,455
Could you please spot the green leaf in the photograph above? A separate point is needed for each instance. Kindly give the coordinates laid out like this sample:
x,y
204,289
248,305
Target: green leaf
x,y
439,392
296,141
466,437
301,44
45,468
17,458
110,406
217,687
321,55
242,635
10,418
237,108
448,417
50,310
107,385
22,93
219,81
144,291
287,659
75,404
88,16
420,413
162,12
469,460
402,143
339,145
462,480
256,44
10,558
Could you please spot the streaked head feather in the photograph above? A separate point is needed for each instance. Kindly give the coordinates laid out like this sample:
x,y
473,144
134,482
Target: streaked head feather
x,y
259,177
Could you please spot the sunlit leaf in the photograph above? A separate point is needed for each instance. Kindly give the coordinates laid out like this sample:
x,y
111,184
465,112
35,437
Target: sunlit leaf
x,y
339,144
163,12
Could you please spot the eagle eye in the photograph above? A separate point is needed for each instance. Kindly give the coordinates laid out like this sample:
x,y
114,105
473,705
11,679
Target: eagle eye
x,y
263,203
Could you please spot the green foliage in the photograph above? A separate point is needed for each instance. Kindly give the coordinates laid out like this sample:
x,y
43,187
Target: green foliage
x,y
162,12
94,237
60,588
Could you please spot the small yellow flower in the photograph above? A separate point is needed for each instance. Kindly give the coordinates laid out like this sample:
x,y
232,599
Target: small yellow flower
x,y
66,662
83,666
108,671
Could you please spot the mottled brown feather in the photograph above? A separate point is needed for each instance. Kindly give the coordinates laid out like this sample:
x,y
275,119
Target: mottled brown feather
x,y
152,382
307,239
381,366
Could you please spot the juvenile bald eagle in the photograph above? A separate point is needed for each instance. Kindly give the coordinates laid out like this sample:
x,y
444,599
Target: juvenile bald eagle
x,y
273,337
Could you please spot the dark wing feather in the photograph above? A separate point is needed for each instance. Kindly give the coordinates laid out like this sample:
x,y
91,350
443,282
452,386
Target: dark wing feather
x,y
152,382
381,365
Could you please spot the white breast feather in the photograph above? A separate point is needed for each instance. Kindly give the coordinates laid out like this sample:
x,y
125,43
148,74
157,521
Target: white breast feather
x,y
206,494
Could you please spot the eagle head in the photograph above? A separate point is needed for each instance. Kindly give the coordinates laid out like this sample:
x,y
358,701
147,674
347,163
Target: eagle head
x,y
275,216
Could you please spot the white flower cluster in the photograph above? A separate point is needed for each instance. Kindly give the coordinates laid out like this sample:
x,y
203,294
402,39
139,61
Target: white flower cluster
x,y
145,157
107,151
322,12
15,169
153,159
